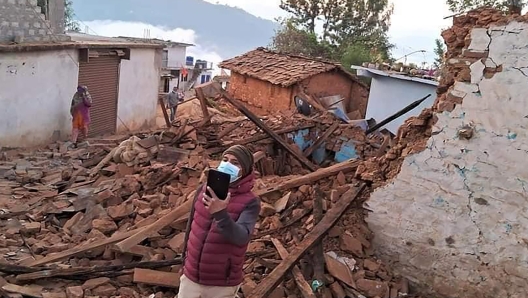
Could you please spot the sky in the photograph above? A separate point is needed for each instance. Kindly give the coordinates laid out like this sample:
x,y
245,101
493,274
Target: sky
x,y
415,25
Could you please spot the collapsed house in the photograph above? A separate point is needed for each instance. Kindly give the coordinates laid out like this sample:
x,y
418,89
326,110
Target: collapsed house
x,y
270,82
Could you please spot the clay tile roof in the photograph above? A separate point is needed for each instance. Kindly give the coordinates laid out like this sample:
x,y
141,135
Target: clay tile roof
x,y
280,69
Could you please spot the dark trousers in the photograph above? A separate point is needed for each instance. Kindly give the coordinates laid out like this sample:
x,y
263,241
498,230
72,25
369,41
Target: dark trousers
x,y
173,112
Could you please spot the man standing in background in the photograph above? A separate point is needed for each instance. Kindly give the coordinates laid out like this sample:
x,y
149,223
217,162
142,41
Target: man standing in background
x,y
173,100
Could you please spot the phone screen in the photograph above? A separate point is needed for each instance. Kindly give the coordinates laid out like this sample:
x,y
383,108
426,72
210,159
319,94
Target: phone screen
x,y
219,183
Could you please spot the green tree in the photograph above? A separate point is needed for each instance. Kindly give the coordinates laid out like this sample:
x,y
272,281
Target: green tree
x,y
356,54
304,12
439,52
69,21
294,40
457,6
346,23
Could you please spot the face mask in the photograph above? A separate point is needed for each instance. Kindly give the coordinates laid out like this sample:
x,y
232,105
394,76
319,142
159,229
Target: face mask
x,y
229,168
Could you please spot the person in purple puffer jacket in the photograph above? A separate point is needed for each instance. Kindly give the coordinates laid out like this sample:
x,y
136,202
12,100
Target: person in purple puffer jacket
x,y
218,232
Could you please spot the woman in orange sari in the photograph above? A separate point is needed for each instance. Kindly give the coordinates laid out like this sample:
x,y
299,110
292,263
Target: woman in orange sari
x,y
80,110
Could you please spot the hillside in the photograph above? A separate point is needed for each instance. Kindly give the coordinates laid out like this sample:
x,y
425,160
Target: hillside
x,y
231,31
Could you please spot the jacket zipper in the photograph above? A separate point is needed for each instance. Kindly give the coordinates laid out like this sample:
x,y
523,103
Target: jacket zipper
x,y
201,249
228,270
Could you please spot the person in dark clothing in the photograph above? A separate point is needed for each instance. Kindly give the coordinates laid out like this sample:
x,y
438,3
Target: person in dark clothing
x,y
219,231
173,100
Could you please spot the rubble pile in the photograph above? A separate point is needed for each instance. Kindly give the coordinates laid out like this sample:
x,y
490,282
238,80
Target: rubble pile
x,y
108,219
413,135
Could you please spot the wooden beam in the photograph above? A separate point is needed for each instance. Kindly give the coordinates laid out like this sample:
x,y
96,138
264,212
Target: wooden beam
x,y
150,230
302,284
311,100
346,166
261,137
80,271
203,104
157,278
79,249
303,160
227,130
265,288
321,139
164,110
318,251
278,132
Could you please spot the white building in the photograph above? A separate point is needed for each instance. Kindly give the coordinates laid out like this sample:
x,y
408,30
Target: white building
x,y
38,80
179,69
390,93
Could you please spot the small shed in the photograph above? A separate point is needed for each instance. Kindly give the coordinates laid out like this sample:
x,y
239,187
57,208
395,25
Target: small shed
x,y
391,92
269,81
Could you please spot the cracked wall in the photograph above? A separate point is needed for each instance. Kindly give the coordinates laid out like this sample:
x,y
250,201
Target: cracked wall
x,y
454,219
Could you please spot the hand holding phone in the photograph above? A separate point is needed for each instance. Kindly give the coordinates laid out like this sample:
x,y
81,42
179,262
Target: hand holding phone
x,y
212,203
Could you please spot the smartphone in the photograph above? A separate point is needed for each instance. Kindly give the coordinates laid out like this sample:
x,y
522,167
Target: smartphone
x,y
219,183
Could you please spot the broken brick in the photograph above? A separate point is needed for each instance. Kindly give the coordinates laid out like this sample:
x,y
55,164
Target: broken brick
x,y
266,209
75,292
352,245
372,288
176,243
94,283
104,225
106,290
121,211
371,265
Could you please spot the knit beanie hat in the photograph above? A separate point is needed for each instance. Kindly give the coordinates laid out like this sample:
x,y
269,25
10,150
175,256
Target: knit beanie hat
x,y
244,157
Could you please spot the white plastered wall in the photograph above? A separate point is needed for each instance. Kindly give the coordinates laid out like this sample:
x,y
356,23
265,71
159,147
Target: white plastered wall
x,y
138,90
455,219
36,89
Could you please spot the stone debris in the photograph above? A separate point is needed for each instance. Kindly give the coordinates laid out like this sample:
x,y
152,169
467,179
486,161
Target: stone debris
x,y
108,219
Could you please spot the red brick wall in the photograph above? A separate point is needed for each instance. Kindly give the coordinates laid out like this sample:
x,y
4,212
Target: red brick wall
x,y
265,98
262,97
336,83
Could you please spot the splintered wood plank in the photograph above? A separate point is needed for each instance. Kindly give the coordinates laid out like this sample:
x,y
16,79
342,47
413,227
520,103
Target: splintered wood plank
x,y
148,231
302,284
79,249
157,278
345,167
265,288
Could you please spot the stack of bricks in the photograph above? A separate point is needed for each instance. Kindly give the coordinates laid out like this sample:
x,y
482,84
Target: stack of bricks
x,y
23,21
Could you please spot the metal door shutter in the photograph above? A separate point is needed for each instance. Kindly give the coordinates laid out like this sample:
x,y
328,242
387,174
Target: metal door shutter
x,y
101,75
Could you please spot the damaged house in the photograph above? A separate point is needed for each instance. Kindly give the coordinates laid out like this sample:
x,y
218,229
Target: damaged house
x,y
269,81
41,66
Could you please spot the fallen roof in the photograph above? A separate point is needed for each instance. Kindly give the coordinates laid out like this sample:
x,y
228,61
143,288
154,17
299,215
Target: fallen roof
x,y
362,71
281,69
